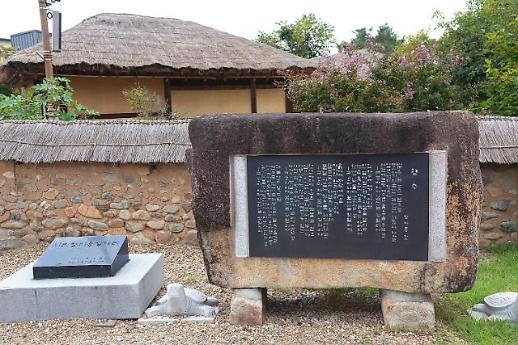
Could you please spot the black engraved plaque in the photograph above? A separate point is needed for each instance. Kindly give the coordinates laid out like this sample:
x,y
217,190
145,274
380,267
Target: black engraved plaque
x,y
339,206
82,257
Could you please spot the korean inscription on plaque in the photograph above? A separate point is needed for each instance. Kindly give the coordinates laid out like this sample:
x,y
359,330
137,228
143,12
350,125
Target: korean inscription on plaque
x,y
82,257
339,206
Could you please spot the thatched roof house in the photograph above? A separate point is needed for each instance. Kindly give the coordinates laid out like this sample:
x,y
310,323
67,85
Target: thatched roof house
x,y
161,54
141,141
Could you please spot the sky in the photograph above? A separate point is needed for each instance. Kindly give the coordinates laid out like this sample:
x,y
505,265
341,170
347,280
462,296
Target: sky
x,y
244,18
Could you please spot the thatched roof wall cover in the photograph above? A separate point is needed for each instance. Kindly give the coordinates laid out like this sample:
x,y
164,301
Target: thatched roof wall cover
x,y
140,141
498,139
110,141
138,43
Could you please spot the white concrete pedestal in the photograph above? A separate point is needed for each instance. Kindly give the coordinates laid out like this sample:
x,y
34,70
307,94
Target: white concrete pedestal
x,y
123,296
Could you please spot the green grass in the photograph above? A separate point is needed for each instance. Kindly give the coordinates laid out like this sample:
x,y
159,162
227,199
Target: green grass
x,y
497,272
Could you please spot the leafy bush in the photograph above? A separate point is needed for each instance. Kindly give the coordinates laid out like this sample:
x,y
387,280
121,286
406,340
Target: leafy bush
x,y
53,97
143,101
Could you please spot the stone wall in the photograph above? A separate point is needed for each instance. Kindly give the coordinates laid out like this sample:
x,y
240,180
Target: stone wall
x,y
153,202
499,223
146,202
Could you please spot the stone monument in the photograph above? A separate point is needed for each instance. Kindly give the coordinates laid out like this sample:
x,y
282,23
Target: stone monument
x,y
389,201
90,277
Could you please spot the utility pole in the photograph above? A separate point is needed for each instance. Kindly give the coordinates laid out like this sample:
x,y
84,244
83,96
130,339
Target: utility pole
x,y
47,50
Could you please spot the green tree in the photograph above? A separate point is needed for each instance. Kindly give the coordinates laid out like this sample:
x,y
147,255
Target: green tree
x,y
385,39
362,37
501,85
307,37
468,34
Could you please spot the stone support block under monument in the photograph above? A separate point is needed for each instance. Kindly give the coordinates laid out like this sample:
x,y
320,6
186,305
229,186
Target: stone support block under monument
x,y
390,201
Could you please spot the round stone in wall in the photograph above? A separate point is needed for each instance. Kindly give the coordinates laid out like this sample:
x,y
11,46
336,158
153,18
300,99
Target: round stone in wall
x,y
500,205
176,227
509,226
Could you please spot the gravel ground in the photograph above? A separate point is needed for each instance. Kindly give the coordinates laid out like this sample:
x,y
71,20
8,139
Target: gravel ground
x,y
293,316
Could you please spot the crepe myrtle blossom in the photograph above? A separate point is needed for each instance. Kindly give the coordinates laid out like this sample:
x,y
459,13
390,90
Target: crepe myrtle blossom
x,y
422,54
409,92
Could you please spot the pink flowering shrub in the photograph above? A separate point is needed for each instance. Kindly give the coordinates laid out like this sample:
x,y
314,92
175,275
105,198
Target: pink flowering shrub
x,y
344,84
416,76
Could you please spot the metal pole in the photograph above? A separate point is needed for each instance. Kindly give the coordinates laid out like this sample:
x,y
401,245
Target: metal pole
x,y
47,50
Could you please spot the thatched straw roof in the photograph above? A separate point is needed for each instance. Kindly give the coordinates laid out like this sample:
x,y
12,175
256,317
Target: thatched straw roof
x,y
127,44
111,141
498,139
140,141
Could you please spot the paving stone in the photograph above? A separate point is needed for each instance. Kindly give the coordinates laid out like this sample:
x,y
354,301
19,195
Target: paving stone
x,y
140,239
72,231
109,177
14,224
96,225
141,215
176,227
163,236
11,243
123,205
156,224
107,196
8,175
172,218
489,215
110,214
171,209
493,236
51,194
76,200
70,212
500,205
509,226
486,226
116,223
152,207
187,207
30,239
53,223
61,203
125,215
134,227
89,211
